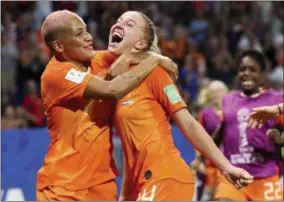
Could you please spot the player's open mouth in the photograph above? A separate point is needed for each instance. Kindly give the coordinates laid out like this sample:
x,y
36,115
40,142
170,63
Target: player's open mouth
x,y
116,37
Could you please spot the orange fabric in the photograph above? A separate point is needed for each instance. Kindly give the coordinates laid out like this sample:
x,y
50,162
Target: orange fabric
x,y
80,153
280,121
168,47
101,111
181,45
166,190
211,174
267,189
94,193
142,120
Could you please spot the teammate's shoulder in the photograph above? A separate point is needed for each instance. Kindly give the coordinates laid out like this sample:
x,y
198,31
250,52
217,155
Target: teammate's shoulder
x,y
159,72
103,58
55,68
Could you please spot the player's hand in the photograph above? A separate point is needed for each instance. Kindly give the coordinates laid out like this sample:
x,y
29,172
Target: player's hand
x,y
275,135
238,177
169,65
262,114
122,64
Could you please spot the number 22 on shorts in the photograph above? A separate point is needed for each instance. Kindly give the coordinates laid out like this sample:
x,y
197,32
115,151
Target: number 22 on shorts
x,y
146,196
273,191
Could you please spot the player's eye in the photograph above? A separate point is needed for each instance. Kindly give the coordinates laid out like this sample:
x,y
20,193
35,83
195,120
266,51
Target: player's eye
x,y
79,33
130,24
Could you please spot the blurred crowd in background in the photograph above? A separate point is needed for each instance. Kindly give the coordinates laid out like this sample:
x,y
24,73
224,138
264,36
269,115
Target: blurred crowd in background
x,y
203,38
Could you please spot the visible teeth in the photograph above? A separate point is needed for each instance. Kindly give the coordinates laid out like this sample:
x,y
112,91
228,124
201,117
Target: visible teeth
x,y
117,33
247,82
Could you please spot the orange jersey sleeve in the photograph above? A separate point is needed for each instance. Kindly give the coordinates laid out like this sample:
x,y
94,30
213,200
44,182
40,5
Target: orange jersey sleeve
x,y
165,91
64,82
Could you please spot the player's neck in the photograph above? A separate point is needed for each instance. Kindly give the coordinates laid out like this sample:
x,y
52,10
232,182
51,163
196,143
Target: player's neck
x,y
82,66
252,94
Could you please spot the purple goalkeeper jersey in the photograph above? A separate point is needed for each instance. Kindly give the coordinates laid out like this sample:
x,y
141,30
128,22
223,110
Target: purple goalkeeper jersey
x,y
242,144
209,119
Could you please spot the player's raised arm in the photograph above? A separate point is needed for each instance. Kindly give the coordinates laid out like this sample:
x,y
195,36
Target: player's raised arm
x,y
124,62
262,114
198,137
126,82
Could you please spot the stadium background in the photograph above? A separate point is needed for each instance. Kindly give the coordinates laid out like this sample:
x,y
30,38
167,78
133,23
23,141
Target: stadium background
x,y
204,38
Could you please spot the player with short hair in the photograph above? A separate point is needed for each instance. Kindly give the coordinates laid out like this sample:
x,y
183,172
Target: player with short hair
x,y
79,164
245,147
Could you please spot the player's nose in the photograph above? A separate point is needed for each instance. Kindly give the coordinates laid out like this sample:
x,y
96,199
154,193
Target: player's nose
x,y
88,37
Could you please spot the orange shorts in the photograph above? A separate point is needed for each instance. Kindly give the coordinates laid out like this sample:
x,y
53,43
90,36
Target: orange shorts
x,y
211,175
266,189
106,191
166,189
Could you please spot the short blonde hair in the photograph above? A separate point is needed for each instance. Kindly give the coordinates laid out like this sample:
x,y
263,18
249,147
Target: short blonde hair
x,y
56,21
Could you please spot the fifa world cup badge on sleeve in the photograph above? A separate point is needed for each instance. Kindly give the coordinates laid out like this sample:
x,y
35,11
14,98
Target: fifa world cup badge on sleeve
x,y
172,94
75,76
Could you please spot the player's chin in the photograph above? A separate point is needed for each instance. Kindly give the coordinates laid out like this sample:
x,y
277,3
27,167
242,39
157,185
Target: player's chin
x,y
248,88
89,54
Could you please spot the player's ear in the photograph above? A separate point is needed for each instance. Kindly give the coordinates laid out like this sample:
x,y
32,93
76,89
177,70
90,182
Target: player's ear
x,y
141,45
57,46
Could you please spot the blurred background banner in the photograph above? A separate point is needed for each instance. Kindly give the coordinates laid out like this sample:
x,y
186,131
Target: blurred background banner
x,y
23,151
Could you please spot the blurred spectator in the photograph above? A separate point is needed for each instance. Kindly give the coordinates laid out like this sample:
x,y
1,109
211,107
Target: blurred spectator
x,y
9,27
6,100
194,72
10,120
180,37
249,41
203,38
9,54
31,63
24,26
198,27
223,63
277,74
33,105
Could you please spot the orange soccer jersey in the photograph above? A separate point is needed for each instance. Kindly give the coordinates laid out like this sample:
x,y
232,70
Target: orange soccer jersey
x,y
142,120
80,152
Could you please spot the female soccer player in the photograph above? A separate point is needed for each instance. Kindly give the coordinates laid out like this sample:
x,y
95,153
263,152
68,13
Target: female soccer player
x,y
153,167
249,148
79,164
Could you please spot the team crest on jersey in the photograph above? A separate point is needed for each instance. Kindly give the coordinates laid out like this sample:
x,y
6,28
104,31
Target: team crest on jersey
x,y
243,115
